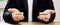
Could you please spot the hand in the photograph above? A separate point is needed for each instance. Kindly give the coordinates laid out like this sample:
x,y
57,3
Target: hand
x,y
44,16
17,16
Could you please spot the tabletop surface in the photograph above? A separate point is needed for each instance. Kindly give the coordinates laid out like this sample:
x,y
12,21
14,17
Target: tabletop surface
x,y
28,23
32,23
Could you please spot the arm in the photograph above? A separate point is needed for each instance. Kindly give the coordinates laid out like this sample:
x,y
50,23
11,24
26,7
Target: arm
x,y
7,16
51,7
52,15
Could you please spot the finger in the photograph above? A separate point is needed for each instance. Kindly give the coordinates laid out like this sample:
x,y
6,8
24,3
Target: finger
x,y
23,17
46,18
43,17
40,17
15,18
20,17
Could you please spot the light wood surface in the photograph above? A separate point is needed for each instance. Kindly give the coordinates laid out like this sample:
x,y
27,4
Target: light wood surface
x,y
31,23
37,23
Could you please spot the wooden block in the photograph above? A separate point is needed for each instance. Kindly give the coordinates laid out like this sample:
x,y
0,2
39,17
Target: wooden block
x,y
19,13
41,13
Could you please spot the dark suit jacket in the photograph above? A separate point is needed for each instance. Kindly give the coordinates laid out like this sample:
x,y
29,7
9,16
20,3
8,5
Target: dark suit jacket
x,y
40,6
21,5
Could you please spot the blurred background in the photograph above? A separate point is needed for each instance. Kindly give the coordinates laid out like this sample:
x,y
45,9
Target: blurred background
x,y
2,6
56,5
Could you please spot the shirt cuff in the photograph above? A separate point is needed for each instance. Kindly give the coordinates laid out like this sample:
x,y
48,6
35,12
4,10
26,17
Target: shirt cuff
x,y
46,20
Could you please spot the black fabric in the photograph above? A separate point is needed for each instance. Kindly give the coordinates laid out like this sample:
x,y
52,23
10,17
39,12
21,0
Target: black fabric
x,y
21,5
40,6
8,18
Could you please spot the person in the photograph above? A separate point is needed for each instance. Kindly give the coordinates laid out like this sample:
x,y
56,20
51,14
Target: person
x,y
16,6
46,7
12,13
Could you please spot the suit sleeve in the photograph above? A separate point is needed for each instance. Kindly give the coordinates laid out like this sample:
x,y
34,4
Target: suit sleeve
x,y
50,6
7,16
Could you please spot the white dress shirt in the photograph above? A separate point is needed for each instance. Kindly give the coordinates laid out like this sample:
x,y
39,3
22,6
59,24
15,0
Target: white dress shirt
x,y
30,5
